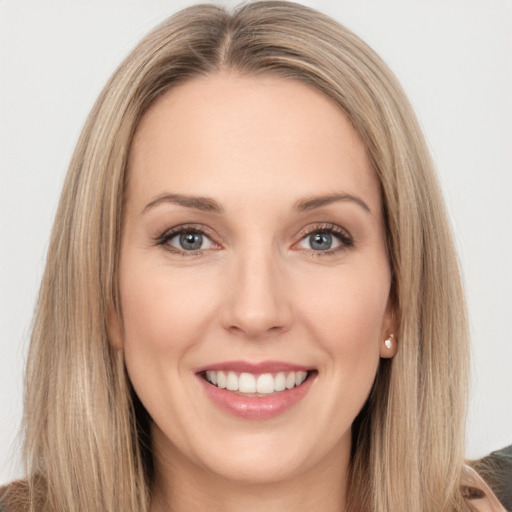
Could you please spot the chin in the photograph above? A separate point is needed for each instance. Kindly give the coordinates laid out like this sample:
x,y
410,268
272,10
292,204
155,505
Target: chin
x,y
254,467
266,457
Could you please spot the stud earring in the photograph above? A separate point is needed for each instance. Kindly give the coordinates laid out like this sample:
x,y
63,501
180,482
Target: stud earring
x,y
389,342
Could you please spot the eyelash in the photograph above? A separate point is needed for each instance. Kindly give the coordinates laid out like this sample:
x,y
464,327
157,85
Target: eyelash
x,y
163,240
344,238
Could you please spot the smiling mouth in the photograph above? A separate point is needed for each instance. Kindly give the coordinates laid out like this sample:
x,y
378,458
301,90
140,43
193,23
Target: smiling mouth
x,y
257,385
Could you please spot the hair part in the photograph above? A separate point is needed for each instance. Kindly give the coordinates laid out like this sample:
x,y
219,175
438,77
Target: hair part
x,y
86,442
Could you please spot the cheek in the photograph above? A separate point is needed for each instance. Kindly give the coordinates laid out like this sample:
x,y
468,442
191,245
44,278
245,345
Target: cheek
x,y
348,306
164,316
348,320
163,310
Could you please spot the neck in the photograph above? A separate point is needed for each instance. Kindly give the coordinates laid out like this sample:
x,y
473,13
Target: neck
x,y
182,486
301,494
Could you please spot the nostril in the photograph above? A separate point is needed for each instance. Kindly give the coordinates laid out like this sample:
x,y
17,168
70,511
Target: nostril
x,y
256,331
254,305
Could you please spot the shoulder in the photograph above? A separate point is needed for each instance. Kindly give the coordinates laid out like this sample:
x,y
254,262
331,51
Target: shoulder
x,y
478,494
14,497
487,482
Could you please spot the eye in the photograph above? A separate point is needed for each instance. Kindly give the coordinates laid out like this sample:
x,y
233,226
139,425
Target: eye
x,y
320,241
186,240
327,240
191,241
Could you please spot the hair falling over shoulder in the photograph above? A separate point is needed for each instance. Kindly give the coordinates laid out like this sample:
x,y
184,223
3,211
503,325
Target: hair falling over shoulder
x,y
87,446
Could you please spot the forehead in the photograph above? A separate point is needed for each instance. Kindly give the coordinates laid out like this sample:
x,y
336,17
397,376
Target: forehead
x,y
217,133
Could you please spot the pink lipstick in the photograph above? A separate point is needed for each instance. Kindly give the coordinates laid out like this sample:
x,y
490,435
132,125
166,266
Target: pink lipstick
x,y
256,390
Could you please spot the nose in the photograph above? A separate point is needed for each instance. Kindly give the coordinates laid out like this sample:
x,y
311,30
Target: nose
x,y
257,303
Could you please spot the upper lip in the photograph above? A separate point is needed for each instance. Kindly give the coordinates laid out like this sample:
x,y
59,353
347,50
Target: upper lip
x,y
254,367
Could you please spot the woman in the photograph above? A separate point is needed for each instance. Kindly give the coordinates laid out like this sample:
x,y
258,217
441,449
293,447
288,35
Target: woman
x,y
251,297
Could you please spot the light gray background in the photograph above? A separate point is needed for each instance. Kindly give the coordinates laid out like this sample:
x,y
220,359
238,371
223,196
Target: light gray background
x,y
454,58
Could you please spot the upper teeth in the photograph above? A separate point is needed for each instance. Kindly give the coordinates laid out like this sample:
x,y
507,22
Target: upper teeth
x,y
264,383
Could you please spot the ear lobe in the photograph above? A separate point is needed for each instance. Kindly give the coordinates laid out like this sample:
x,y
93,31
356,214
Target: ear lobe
x,y
114,329
388,345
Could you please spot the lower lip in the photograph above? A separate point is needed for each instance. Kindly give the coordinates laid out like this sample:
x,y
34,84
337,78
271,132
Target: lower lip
x,y
257,408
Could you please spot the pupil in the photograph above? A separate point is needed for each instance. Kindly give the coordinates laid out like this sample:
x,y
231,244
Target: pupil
x,y
321,241
191,241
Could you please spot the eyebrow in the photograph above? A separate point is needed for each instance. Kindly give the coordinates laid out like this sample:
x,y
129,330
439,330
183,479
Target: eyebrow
x,y
207,204
310,203
204,204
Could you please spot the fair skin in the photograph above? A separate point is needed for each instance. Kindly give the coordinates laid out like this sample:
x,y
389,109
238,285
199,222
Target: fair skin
x,y
284,264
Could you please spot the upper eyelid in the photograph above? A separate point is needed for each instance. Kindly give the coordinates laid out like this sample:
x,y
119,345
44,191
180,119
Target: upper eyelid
x,y
324,226
169,234
164,239
187,227
300,235
344,237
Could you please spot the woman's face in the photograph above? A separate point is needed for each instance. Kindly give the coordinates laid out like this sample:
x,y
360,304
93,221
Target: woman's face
x,y
253,257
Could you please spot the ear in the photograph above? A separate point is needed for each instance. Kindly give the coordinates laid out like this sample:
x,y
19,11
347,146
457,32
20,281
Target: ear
x,y
388,344
115,329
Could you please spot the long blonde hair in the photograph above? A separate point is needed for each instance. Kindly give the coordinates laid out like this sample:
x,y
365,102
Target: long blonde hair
x,y
87,446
